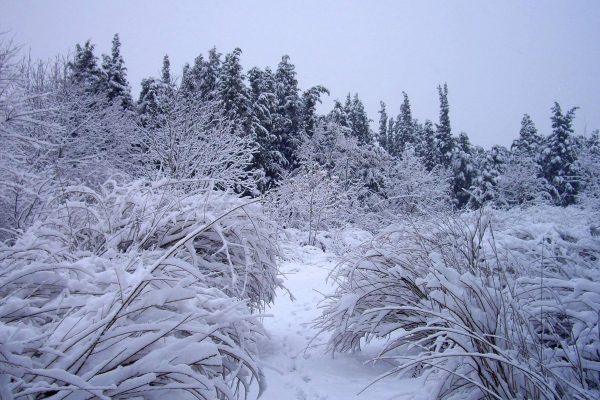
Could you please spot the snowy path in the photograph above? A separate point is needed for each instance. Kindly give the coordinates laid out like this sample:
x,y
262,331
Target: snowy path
x,y
295,372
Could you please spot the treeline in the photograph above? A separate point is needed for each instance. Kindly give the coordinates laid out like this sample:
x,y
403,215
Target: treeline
x,y
256,131
277,116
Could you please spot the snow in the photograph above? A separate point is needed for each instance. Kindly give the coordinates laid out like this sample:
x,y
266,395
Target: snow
x,y
294,361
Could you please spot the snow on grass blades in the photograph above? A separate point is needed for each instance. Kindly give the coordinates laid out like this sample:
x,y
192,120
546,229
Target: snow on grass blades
x,y
139,290
487,304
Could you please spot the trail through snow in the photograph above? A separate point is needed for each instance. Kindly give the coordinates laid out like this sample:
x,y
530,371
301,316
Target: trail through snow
x,y
295,365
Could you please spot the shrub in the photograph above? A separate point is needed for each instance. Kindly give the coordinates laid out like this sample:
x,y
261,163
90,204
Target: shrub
x,y
137,290
488,305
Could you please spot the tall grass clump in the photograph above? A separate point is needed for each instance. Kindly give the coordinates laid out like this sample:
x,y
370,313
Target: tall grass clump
x,y
481,305
146,289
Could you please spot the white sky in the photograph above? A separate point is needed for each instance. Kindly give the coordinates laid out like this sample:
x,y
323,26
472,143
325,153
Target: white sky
x,y
500,59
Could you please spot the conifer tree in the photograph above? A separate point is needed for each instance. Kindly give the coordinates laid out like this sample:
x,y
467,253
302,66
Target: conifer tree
x,y
267,157
427,149
529,140
339,116
310,98
559,157
382,133
186,87
391,135
191,78
405,128
443,134
463,170
148,101
154,93
588,165
288,121
359,122
116,76
165,72
232,92
204,75
84,69
489,166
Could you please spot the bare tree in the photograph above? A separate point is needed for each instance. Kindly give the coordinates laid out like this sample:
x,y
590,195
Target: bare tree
x,y
190,138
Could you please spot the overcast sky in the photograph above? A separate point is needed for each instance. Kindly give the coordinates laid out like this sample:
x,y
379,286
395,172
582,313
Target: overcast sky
x,y
500,59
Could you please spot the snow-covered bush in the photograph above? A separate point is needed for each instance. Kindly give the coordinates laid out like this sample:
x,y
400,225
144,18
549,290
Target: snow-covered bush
x,y
136,290
312,201
193,138
410,190
54,133
521,184
487,304
588,165
22,184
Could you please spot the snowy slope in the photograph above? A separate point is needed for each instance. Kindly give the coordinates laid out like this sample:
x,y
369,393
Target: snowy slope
x,y
296,366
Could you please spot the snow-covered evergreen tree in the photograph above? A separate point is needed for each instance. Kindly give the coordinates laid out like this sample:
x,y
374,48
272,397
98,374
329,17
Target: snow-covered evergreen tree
x,y
85,70
288,119
232,92
559,156
201,80
267,157
489,165
426,148
463,171
117,87
405,129
310,98
529,140
443,134
588,166
382,133
339,116
156,94
358,120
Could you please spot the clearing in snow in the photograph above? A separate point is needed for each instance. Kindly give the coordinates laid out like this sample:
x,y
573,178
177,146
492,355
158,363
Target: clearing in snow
x,y
294,361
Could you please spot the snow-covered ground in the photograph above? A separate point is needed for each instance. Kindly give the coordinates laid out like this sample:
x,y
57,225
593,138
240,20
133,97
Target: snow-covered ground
x,y
295,363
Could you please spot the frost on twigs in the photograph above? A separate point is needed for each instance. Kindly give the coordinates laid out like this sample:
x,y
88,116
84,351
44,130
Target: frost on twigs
x,y
136,290
487,304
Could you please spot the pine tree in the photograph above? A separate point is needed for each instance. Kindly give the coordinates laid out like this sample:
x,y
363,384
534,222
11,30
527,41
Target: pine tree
x,y
165,72
443,134
310,98
463,170
191,78
154,93
529,140
339,116
288,121
559,157
359,122
186,87
203,78
149,98
116,76
391,136
428,149
382,133
405,128
267,157
489,165
85,71
232,92
588,164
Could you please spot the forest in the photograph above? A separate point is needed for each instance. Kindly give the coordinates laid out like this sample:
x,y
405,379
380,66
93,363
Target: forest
x,y
140,239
